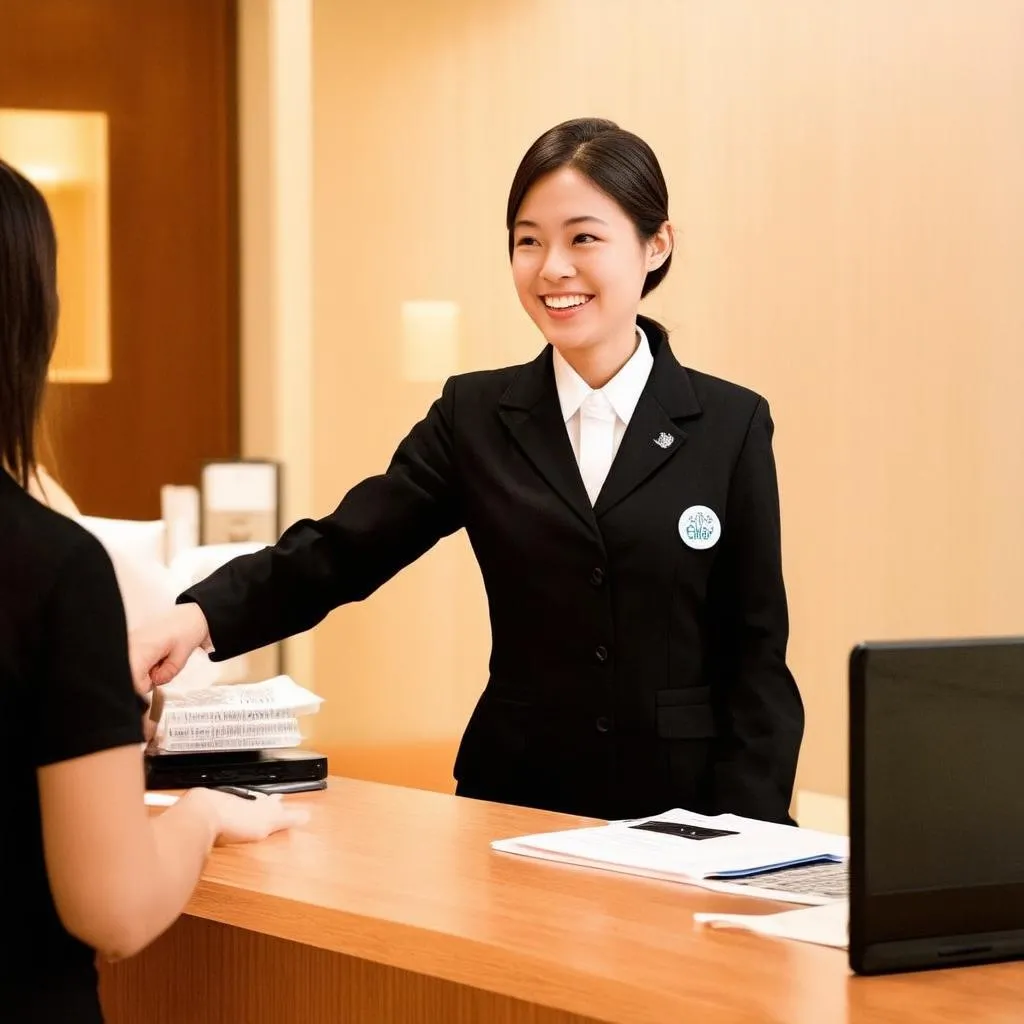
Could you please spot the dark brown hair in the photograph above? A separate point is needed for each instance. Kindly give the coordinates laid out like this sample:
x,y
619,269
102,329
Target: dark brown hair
x,y
28,317
618,162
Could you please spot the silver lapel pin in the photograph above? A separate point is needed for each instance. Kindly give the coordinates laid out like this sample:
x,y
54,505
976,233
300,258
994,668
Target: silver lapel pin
x,y
663,440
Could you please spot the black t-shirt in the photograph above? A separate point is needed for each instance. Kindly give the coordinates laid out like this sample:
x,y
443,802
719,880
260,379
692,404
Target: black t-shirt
x,y
65,691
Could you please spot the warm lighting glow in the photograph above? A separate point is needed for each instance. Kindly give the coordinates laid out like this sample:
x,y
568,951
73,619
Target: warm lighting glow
x,y
430,341
42,174
65,156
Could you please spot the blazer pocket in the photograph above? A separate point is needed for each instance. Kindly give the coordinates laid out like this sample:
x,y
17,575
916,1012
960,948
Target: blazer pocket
x,y
685,714
495,739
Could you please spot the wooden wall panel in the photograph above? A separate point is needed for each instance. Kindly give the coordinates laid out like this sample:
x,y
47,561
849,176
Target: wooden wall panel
x,y
164,72
207,973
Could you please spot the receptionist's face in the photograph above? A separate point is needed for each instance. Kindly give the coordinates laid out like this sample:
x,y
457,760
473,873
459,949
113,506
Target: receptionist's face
x,y
577,262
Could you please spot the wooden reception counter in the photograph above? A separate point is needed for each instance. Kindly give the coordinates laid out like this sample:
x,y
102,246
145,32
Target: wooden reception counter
x,y
389,906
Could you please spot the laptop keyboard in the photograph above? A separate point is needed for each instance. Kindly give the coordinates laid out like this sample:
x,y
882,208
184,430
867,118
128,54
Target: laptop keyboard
x,y
830,879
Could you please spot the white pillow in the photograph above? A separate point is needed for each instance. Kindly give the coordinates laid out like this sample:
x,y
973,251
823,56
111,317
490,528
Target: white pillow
x,y
195,564
140,538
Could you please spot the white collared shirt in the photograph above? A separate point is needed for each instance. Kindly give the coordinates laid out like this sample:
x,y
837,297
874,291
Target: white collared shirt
x,y
622,391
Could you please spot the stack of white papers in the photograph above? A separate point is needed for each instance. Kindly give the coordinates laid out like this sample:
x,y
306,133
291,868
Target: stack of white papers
x,y
239,716
725,853
824,926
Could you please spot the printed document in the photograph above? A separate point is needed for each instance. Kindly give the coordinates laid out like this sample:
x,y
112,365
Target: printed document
x,y
725,853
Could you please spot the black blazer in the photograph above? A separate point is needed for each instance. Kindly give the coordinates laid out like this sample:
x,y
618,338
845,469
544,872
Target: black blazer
x,y
629,672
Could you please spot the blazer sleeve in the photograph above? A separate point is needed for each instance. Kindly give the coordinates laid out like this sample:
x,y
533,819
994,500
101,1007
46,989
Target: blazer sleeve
x,y
382,525
763,711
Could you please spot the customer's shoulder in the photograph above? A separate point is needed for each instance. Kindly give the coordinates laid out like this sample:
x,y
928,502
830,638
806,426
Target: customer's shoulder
x,y
38,543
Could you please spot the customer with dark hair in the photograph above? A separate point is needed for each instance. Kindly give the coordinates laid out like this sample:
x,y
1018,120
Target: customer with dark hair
x,y
82,866
624,514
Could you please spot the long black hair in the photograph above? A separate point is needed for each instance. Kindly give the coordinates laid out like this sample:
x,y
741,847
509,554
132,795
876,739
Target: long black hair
x,y
28,317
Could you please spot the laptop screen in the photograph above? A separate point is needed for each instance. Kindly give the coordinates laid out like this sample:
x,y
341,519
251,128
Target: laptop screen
x,y
937,789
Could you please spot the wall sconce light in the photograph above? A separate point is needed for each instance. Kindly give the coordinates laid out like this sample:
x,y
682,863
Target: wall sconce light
x,y
64,155
430,340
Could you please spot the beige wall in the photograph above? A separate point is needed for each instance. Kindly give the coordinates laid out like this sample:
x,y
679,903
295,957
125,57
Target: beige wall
x,y
847,182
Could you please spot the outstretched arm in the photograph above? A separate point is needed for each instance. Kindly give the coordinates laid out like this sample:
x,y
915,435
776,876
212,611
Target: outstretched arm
x,y
382,525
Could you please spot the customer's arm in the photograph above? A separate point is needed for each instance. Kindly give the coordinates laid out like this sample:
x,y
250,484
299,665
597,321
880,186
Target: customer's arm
x,y
118,876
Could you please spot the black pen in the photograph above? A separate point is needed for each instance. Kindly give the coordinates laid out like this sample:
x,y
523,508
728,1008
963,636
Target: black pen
x,y
245,794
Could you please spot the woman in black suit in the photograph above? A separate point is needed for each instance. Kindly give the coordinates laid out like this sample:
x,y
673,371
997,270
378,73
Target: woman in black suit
x,y
623,511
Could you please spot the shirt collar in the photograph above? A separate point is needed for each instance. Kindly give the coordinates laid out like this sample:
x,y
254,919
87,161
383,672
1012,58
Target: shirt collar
x,y
622,391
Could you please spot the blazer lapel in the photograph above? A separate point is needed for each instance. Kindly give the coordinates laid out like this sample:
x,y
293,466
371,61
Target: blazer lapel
x,y
653,436
531,412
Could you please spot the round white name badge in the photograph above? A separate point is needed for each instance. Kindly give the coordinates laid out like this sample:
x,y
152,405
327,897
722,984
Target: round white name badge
x,y
699,527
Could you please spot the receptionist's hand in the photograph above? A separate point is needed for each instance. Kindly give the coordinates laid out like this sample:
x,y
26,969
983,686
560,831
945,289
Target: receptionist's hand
x,y
158,650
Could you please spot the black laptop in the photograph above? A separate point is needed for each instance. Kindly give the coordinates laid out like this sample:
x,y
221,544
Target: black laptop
x,y
936,804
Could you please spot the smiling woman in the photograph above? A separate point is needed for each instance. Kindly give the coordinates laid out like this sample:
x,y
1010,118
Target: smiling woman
x,y
624,514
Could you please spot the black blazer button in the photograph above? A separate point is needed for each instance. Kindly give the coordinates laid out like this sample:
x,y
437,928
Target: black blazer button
x,y
597,577
601,653
603,724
